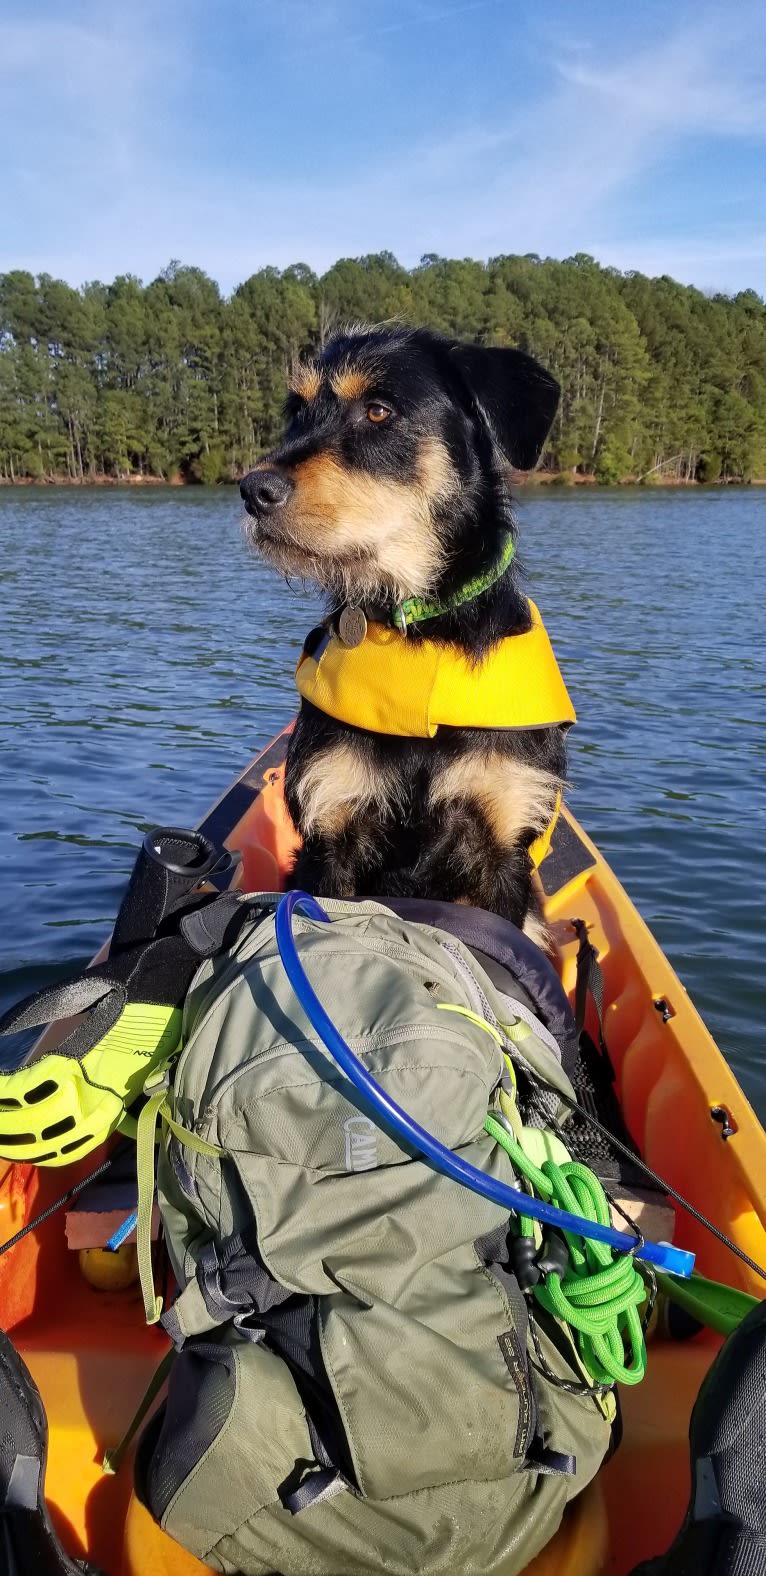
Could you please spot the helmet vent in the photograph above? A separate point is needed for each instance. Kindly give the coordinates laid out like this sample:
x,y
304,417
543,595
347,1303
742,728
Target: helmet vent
x,y
76,1143
57,1128
40,1092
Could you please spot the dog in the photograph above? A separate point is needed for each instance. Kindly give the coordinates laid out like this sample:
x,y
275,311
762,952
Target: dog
x,y
389,490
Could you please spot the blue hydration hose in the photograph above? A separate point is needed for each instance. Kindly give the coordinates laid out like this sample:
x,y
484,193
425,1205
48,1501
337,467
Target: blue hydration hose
x,y
676,1261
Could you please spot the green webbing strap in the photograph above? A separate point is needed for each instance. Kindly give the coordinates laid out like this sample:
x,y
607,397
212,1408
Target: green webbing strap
x,y
184,1136
473,1017
533,1174
147,1123
416,610
600,1294
157,1108
113,1459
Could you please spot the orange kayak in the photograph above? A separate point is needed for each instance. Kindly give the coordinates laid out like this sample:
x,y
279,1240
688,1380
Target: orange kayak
x,y
92,1355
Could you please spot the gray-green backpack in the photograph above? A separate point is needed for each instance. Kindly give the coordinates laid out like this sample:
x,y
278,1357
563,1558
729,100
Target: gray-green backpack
x,y
353,1390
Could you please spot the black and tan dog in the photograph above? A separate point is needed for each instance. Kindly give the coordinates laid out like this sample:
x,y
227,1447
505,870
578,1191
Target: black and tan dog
x,y
429,753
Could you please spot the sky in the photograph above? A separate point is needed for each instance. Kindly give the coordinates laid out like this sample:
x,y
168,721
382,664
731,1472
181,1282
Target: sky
x,y
232,134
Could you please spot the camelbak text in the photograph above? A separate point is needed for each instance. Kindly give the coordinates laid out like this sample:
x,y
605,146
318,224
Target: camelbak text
x,y
361,1144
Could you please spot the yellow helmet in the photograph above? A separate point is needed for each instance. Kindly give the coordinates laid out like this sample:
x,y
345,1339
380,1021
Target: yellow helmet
x,y
127,1010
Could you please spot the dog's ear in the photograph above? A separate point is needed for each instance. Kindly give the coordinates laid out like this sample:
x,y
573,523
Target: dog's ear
x,y
515,395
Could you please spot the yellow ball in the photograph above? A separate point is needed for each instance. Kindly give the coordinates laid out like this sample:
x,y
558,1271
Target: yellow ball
x,y
110,1271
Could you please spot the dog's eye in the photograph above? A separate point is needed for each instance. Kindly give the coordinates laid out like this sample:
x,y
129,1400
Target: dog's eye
x,y
377,412
294,407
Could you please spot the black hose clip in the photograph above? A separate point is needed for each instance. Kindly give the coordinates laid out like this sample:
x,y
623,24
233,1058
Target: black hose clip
x,y
523,1256
553,1258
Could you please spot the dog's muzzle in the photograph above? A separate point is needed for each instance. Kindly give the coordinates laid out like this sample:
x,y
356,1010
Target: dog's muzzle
x,y
265,490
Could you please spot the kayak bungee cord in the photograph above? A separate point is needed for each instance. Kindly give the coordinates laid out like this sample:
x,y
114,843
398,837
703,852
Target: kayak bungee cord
x,y
72,1192
676,1261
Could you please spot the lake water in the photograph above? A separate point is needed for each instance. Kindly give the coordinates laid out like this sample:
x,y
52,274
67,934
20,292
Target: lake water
x,y
146,655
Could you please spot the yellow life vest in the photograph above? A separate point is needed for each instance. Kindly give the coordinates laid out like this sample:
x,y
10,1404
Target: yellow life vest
x,y
410,688
393,684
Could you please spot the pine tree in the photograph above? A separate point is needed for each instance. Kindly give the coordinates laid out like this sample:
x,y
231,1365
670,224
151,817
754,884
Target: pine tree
x,y
658,379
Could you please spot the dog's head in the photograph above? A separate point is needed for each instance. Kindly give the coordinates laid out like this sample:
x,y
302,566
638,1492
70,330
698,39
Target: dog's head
x,y
391,467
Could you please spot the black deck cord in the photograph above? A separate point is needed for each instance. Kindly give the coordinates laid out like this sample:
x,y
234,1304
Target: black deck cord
x,y
659,1181
51,1210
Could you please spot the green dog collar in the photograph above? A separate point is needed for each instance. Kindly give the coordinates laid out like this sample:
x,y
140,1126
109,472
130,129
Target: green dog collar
x,y
416,610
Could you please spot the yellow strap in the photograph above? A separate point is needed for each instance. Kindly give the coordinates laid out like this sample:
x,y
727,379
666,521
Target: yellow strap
x,y
147,1123
473,1017
156,1109
184,1136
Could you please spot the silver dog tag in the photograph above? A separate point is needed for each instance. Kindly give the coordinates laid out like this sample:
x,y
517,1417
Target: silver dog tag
x,y
352,626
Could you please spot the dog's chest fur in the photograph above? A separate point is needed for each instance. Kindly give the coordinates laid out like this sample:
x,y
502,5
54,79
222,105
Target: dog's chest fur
x,y
451,817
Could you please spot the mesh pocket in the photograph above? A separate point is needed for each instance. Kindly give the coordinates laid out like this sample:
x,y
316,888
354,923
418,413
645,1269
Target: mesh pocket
x,y
200,1397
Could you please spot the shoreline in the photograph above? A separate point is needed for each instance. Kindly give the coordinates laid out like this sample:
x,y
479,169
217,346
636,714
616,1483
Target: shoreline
x,y
564,479
96,481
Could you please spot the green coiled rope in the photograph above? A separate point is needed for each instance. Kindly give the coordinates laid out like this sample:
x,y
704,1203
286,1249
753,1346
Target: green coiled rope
x,y
600,1294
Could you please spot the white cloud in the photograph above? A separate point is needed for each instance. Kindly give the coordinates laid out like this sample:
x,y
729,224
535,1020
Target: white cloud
x,y
555,175
724,265
71,102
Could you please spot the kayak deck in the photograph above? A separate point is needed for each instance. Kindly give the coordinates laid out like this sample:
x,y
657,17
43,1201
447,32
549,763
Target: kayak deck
x,y
92,1355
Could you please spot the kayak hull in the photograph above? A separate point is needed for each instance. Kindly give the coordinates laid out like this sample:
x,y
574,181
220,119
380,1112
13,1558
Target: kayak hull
x,y
92,1355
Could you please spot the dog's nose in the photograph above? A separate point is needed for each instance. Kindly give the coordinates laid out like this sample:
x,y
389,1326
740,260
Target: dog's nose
x,y
265,490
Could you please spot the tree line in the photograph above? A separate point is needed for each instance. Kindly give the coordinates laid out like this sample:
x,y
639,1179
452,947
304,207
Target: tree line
x,y
173,380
